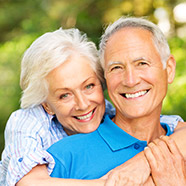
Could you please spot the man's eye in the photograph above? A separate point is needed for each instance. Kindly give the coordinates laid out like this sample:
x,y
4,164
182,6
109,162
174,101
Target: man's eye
x,y
63,96
116,68
142,63
90,86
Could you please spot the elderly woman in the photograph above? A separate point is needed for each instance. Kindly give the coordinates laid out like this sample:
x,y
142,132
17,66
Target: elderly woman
x,y
61,80
53,105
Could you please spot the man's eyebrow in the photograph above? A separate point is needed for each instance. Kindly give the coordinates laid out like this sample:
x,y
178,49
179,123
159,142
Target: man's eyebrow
x,y
110,63
140,59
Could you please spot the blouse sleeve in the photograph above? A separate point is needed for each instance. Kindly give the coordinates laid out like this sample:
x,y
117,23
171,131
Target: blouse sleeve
x,y
24,149
171,120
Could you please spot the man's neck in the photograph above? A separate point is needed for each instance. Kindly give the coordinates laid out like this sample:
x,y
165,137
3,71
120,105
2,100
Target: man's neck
x,y
144,128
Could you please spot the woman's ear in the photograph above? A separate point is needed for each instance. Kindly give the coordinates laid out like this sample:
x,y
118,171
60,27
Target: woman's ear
x,y
47,108
171,68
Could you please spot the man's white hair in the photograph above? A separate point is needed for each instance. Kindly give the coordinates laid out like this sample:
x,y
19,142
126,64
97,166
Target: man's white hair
x,y
159,39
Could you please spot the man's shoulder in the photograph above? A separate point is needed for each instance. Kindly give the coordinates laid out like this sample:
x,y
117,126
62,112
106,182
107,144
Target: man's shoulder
x,y
75,139
73,144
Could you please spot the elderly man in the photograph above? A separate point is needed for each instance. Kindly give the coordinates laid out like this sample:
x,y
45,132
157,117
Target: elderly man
x,y
138,68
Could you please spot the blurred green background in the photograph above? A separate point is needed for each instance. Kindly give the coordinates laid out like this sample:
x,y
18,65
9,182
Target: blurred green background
x,y
22,21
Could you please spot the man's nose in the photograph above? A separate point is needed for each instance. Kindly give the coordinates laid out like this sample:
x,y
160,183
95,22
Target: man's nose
x,y
130,77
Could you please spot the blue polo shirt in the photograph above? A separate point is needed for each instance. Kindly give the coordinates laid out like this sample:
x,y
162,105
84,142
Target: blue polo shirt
x,y
90,156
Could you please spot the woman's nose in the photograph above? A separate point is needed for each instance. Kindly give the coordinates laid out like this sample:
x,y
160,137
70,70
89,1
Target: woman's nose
x,y
82,102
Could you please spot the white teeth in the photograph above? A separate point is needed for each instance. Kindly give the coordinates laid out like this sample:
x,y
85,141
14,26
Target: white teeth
x,y
136,94
85,117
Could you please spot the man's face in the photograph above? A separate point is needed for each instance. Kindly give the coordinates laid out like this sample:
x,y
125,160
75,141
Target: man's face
x,y
136,80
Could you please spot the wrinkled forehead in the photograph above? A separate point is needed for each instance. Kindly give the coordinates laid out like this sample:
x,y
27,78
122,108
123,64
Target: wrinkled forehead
x,y
128,40
129,31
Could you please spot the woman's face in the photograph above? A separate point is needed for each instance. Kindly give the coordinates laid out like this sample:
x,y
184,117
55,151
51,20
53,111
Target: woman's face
x,y
75,96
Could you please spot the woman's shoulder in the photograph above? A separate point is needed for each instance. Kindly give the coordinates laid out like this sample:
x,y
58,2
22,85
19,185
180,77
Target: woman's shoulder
x,y
26,118
36,112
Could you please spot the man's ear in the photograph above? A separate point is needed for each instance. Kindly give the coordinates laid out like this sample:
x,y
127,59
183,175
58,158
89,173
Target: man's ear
x,y
171,68
47,108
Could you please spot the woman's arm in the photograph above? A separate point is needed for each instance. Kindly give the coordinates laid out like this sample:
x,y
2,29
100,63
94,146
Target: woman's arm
x,y
24,130
39,176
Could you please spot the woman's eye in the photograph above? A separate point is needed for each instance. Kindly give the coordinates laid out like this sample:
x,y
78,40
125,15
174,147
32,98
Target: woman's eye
x,y
90,86
63,96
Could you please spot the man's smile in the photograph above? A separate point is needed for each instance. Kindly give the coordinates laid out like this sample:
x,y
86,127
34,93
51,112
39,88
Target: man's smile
x,y
134,95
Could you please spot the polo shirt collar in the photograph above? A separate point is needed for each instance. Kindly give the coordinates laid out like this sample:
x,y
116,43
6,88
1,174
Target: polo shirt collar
x,y
116,138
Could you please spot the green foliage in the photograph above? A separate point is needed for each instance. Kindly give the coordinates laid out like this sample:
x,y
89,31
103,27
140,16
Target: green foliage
x,y
23,21
10,57
175,102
